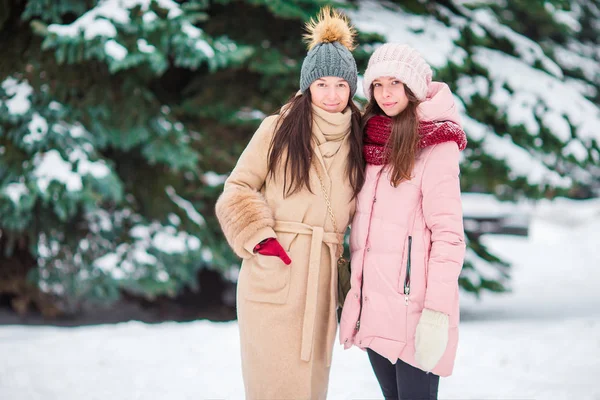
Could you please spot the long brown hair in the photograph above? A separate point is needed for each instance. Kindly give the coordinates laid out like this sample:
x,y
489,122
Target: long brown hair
x,y
291,145
402,145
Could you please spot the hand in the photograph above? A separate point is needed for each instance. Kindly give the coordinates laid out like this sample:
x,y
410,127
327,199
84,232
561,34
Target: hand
x,y
271,247
431,339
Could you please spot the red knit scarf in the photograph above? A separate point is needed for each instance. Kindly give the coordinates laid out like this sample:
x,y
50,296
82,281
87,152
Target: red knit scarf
x,y
379,128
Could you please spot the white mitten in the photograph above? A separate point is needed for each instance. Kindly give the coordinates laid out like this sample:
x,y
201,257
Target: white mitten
x,y
431,338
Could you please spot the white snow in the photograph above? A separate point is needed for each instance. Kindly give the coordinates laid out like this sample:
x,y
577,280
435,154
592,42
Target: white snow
x,y
164,238
77,130
98,169
577,150
359,88
143,257
480,2
144,47
527,49
571,59
518,108
468,86
520,162
477,29
104,19
119,264
583,87
486,205
168,241
108,263
97,21
174,219
204,47
531,83
55,106
149,17
50,166
166,125
19,102
249,114
98,220
433,39
211,178
15,191
186,206
568,18
115,50
558,125
191,31
38,128
162,276
538,342
173,7
207,255
100,27
484,270
47,249
571,214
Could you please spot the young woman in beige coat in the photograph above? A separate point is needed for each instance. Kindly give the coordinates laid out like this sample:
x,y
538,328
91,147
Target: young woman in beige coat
x,y
273,211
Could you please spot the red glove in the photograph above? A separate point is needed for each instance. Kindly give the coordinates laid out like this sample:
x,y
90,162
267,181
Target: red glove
x,y
271,247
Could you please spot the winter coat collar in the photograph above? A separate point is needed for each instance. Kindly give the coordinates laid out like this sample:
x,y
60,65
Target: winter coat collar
x,y
330,132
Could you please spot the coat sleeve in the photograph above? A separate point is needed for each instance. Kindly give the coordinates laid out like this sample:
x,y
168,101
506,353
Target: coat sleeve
x,y
242,210
442,208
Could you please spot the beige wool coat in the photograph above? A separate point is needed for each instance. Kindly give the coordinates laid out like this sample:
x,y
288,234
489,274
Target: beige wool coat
x,y
287,313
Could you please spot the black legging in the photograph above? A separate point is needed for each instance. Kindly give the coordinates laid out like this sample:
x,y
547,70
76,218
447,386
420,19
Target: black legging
x,y
403,381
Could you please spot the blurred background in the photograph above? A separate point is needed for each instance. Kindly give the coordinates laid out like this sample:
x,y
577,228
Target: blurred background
x,y
120,120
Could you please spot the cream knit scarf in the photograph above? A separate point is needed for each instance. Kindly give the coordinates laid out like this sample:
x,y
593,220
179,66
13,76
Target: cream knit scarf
x,y
330,130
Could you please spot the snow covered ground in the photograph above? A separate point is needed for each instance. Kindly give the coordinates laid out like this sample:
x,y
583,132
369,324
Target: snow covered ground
x,y
540,342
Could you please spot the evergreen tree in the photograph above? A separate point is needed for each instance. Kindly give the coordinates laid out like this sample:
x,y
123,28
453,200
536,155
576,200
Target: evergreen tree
x,y
114,115
98,170
119,120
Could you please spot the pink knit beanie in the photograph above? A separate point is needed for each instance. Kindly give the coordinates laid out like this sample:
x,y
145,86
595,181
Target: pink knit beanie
x,y
402,62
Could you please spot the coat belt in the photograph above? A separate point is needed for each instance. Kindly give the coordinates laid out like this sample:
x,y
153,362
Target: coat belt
x,y
332,240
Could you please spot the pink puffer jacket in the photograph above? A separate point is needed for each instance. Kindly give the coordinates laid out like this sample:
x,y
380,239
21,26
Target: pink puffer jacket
x,y
407,246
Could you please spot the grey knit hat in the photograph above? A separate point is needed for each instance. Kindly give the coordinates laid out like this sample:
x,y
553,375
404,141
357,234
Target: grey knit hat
x,y
331,40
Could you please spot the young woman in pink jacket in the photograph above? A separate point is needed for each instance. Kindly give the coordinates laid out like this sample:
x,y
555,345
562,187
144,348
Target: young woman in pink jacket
x,y
407,238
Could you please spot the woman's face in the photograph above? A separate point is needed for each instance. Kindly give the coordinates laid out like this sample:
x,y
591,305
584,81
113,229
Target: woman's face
x,y
390,95
330,93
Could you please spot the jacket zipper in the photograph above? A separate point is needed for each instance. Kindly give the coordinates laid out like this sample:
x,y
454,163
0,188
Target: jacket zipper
x,y
361,303
407,278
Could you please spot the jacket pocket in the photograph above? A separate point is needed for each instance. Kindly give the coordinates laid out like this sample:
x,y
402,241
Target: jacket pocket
x,y
383,316
268,280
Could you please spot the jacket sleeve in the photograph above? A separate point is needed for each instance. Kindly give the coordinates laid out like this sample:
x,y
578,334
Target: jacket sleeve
x,y
442,208
242,210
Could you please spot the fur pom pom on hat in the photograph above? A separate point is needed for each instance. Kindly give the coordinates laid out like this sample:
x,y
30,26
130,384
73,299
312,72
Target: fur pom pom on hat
x,y
402,62
330,41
